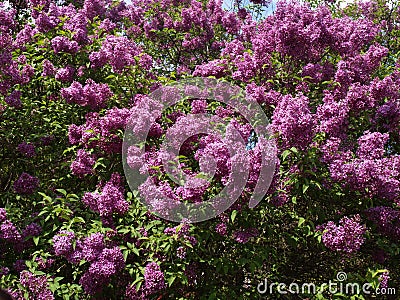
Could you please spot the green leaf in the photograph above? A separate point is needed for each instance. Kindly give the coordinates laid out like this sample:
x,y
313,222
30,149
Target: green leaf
x,y
62,191
36,240
125,254
171,280
233,215
136,251
294,150
285,154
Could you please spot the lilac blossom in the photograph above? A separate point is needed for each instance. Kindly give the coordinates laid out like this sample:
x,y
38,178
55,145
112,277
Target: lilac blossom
x,y
293,121
37,286
14,99
26,184
243,236
110,200
27,149
83,164
154,279
346,237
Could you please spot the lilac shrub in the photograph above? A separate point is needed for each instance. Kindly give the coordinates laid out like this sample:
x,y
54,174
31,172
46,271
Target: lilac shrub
x,y
74,75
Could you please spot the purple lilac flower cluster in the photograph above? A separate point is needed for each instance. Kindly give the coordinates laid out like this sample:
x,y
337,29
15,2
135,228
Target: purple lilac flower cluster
x,y
153,279
83,164
4,271
14,99
94,95
27,149
14,238
384,280
26,184
111,199
36,286
63,44
293,121
9,232
65,74
63,243
105,127
346,237
373,177
48,68
243,236
108,263
386,219
119,52
154,282
104,261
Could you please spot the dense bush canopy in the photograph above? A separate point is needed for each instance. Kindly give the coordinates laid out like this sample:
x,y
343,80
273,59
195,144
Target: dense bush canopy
x,y
73,72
